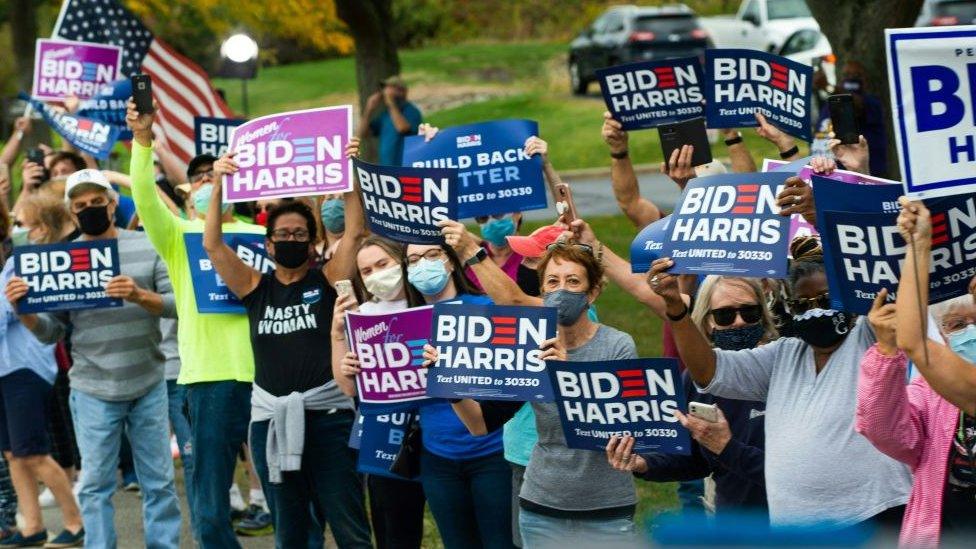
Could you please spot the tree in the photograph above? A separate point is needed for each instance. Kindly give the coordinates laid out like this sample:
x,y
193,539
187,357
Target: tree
x,y
23,34
855,29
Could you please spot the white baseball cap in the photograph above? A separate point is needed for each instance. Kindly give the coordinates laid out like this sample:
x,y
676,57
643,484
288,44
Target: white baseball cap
x,y
88,177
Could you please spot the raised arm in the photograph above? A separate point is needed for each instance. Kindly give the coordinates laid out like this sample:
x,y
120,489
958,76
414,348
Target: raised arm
x,y
949,374
10,149
640,211
343,262
502,289
345,363
739,156
784,142
534,145
237,275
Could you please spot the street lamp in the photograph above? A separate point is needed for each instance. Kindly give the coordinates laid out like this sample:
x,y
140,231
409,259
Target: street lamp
x,y
239,59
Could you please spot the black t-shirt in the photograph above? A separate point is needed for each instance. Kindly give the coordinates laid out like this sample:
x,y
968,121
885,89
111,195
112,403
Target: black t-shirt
x,y
959,500
290,333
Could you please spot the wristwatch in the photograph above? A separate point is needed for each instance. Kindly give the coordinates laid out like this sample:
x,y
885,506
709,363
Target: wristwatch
x,y
620,155
734,140
476,258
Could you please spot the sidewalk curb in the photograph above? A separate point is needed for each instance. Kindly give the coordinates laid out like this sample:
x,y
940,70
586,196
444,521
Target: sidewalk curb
x,y
639,169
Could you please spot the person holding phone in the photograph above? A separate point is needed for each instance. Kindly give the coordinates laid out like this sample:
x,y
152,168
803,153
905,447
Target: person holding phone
x,y
732,313
809,386
300,419
389,117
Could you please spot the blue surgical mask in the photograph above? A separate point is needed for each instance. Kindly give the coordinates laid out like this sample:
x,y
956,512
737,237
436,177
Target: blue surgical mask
x,y
429,276
495,230
736,339
963,343
201,200
334,215
569,305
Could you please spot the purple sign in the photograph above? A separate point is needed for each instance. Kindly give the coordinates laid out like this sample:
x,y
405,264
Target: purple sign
x,y
390,349
298,153
63,68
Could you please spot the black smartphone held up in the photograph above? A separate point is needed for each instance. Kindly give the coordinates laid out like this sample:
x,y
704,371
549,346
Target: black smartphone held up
x,y
842,118
36,155
142,93
687,132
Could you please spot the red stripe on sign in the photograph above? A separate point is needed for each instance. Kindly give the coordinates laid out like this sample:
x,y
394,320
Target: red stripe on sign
x,y
503,341
742,210
633,393
505,330
411,198
633,383
938,218
630,373
747,188
781,84
939,229
663,70
503,319
746,199
777,66
937,240
405,179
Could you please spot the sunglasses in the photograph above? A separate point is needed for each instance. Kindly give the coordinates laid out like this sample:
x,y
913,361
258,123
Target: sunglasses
x,y
725,316
801,305
582,247
200,175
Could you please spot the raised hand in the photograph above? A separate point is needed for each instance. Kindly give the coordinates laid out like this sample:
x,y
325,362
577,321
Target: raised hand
x,y
883,318
854,157
613,134
797,198
679,167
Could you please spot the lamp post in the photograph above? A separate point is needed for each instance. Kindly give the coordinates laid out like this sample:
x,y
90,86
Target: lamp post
x,y
239,59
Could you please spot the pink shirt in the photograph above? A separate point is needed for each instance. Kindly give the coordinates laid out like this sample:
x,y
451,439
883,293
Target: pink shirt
x,y
510,267
913,424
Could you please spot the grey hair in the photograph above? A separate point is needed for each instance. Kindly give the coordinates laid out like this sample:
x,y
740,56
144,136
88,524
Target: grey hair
x,y
703,303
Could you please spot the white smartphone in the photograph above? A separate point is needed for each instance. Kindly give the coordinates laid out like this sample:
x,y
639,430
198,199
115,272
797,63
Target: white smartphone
x,y
343,287
708,412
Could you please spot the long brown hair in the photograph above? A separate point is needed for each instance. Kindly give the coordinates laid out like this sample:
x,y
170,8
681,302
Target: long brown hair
x,y
49,212
394,250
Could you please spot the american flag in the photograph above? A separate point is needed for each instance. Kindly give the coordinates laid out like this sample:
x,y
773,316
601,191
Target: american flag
x,y
182,88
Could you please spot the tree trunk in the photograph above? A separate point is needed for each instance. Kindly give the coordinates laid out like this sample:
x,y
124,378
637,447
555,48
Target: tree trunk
x,y
855,29
23,34
370,23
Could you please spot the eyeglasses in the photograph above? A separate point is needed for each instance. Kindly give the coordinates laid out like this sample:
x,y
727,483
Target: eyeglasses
x,y
957,324
725,316
801,305
582,247
299,235
482,219
432,254
200,175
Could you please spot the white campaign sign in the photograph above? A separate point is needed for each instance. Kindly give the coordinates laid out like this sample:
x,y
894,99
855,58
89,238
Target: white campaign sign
x,y
932,78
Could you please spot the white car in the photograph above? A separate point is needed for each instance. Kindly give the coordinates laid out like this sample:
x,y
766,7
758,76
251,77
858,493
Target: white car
x,y
810,47
760,24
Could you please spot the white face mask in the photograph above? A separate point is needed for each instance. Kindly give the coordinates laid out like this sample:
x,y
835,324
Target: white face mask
x,y
386,285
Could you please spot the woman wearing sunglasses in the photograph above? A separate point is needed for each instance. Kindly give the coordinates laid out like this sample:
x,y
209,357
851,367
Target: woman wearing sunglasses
x,y
817,468
732,313
568,495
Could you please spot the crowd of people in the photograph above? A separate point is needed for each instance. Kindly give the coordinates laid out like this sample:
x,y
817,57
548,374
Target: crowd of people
x,y
824,417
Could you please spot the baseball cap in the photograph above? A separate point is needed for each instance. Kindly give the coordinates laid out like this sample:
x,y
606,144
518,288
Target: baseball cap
x,y
88,177
198,161
395,80
536,243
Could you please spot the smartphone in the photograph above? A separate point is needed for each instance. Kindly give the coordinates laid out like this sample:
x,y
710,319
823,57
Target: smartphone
x,y
708,412
842,119
687,132
564,203
36,155
142,93
343,287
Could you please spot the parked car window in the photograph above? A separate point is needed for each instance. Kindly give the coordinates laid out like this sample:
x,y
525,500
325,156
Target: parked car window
x,y
751,12
964,12
785,9
600,25
800,41
615,22
678,24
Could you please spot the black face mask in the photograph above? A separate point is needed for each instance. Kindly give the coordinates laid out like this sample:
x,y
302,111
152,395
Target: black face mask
x,y
94,220
822,328
291,254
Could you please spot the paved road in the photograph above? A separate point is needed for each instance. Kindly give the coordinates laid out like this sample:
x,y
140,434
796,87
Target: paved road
x,y
594,196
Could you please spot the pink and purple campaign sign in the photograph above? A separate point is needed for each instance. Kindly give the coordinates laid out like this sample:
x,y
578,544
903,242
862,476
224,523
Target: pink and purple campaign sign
x,y
390,349
63,68
298,153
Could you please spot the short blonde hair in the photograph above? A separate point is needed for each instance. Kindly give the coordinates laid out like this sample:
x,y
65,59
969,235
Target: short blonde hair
x,y
47,210
703,303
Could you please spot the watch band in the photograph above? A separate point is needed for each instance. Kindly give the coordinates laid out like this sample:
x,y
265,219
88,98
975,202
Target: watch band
x,y
676,318
478,257
788,153
733,140
620,155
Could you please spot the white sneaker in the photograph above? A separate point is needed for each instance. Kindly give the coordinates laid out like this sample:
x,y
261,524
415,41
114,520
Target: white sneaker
x,y
46,499
236,500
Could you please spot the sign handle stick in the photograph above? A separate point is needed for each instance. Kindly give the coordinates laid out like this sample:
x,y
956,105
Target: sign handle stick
x,y
27,112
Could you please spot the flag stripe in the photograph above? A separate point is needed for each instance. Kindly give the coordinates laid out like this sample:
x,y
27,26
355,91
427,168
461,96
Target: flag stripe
x,y
195,74
164,75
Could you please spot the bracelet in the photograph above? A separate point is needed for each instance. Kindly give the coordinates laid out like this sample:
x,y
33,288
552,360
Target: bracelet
x,y
733,140
788,153
620,155
599,253
676,318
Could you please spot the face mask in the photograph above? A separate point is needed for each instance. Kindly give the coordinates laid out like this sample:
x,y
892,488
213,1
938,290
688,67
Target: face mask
x,y
736,339
261,218
334,216
963,343
94,220
569,305
291,254
495,230
429,276
385,284
201,200
822,328
852,85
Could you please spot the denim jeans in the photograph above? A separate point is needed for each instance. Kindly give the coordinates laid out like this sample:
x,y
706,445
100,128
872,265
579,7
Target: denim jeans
x,y
99,425
470,499
396,508
541,531
219,413
181,428
326,482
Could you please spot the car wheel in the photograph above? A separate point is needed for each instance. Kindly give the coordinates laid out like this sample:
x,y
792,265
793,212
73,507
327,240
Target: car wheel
x,y
576,82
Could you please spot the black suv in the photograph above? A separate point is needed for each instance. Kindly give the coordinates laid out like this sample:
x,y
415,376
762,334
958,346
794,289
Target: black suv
x,y
627,34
